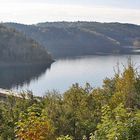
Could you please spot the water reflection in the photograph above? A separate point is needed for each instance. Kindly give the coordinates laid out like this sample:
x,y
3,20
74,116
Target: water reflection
x,y
63,73
15,76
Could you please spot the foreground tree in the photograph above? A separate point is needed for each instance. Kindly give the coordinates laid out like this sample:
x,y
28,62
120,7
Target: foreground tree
x,y
34,125
9,113
64,138
120,123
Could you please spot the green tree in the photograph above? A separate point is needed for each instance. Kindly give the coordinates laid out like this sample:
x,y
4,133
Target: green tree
x,y
10,110
120,123
79,109
34,124
64,138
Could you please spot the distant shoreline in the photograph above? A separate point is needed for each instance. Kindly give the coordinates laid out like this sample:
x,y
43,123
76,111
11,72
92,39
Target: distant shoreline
x,y
5,64
97,54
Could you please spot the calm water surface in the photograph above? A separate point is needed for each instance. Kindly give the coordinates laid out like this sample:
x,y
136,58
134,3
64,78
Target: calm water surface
x,y
64,72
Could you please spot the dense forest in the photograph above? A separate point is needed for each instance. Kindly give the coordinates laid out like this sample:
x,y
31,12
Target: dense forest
x,y
83,38
111,112
16,48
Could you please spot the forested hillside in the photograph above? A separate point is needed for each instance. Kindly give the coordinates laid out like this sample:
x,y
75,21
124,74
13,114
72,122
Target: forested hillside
x,y
82,38
125,34
16,48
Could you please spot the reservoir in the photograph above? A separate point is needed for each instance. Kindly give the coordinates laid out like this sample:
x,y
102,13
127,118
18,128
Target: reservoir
x,y
65,72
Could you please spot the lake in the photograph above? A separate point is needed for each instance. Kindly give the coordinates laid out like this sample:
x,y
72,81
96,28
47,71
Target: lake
x,y
63,73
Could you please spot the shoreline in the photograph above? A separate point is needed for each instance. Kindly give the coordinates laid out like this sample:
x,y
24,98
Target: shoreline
x,y
5,64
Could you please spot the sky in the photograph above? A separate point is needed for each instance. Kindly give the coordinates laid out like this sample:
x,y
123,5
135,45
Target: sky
x,y
34,11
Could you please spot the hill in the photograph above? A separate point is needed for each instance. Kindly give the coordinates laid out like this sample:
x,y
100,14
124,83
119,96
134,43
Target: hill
x,y
16,48
82,38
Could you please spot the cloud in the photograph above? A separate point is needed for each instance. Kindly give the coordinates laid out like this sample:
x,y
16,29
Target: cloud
x,y
30,13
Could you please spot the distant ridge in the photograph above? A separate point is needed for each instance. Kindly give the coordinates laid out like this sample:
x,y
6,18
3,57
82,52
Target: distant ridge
x,y
64,39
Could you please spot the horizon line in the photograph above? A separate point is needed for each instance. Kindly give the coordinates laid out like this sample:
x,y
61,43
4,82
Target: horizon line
x,y
68,21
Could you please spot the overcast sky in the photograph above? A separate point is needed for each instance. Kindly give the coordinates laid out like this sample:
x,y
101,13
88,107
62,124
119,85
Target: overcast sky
x,y
34,11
